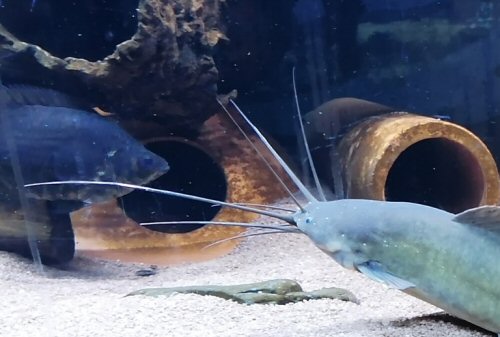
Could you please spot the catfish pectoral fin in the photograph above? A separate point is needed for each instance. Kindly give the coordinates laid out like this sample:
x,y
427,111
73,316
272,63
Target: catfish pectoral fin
x,y
376,271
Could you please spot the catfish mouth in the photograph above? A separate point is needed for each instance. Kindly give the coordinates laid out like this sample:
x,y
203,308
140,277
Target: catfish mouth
x,y
345,259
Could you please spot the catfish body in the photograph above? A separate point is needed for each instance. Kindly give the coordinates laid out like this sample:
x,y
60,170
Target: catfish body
x,y
451,261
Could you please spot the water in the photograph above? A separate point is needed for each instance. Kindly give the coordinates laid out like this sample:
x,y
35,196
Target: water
x,y
96,86
159,84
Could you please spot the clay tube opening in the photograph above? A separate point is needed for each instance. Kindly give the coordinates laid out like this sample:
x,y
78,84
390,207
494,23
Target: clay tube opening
x,y
192,171
87,29
407,157
432,170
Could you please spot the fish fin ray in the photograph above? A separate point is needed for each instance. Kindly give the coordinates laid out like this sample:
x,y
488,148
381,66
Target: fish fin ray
x,y
486,217
376,271
20,95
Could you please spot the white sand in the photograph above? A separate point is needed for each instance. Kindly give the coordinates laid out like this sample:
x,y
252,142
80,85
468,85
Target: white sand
x,y
88,299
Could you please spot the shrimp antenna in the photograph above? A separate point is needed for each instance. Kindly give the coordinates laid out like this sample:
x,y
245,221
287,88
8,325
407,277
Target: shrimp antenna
x,y
284,217
273,171
280,160
304,139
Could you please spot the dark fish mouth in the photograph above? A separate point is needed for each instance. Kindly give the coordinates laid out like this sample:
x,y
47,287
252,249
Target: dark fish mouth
x,y
161,168
157,174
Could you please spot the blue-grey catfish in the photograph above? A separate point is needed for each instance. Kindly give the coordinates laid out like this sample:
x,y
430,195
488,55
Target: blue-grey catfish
x,y
445,259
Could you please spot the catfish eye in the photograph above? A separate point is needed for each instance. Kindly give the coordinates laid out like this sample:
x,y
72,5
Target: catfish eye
x,y
309,220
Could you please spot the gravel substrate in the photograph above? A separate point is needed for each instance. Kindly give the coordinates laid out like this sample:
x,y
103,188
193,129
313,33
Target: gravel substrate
x,y
88,299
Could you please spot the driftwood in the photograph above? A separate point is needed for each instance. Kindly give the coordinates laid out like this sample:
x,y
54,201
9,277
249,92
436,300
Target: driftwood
x,y
163,72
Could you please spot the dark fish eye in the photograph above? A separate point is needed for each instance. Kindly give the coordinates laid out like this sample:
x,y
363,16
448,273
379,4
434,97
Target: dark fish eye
x,y
146,161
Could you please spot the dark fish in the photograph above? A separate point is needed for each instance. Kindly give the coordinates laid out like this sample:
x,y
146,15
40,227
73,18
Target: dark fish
x,y
60,143
44,136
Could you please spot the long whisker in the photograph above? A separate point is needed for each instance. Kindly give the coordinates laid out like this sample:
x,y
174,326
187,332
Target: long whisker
x,y
271,169
287,169
246,235
304,139
284,217
266,206
282,228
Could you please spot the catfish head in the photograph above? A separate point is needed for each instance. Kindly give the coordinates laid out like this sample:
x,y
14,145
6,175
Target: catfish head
x,y
339,228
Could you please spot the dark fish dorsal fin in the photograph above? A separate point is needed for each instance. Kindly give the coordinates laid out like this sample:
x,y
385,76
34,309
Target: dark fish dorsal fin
x,y
20,95
486,217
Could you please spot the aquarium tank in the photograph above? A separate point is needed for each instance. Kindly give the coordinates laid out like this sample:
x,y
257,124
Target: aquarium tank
x,y
138,138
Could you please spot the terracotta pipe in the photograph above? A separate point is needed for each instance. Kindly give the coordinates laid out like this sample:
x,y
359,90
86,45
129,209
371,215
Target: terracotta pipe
x,y
420,159
408,157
